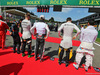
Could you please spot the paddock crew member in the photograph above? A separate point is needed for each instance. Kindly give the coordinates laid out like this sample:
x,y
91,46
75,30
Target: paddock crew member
x,y
88,37
82,28
66,43
56,27
41,28
26,36
3,27
14,32
20,21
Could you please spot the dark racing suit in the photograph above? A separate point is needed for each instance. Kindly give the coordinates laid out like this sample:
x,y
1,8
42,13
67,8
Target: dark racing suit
x,y
15,34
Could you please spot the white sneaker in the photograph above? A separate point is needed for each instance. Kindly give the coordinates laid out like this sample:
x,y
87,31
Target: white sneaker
x,y
76,66
86,68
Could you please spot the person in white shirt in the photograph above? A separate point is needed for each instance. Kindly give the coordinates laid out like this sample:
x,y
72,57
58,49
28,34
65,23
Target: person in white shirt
x,y
26,36
99,28
82,28
41,28
66,43
88,37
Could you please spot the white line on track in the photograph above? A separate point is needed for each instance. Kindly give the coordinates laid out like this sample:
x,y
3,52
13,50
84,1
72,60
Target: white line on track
x,y
97,44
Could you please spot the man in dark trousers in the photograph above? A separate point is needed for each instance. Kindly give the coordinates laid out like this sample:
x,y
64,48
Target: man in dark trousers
x,y
20,25
56,27
26,36
41,28
14,31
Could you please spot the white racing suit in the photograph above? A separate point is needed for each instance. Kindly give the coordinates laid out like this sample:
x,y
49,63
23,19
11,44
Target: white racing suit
x,y
66,43
88,37
26,36
87,49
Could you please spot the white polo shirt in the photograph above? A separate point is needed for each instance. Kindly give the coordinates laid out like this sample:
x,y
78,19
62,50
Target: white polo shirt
x,y
40,28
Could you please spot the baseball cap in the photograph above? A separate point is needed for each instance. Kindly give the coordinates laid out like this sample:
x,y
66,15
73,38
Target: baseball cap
x,y
42,16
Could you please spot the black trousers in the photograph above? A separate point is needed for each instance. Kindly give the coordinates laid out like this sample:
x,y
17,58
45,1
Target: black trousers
x,y
56,28
16,43
39,44
28,43
61,52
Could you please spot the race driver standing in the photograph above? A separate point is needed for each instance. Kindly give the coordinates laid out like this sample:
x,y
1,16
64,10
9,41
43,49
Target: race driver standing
x,y
26,36
66,43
